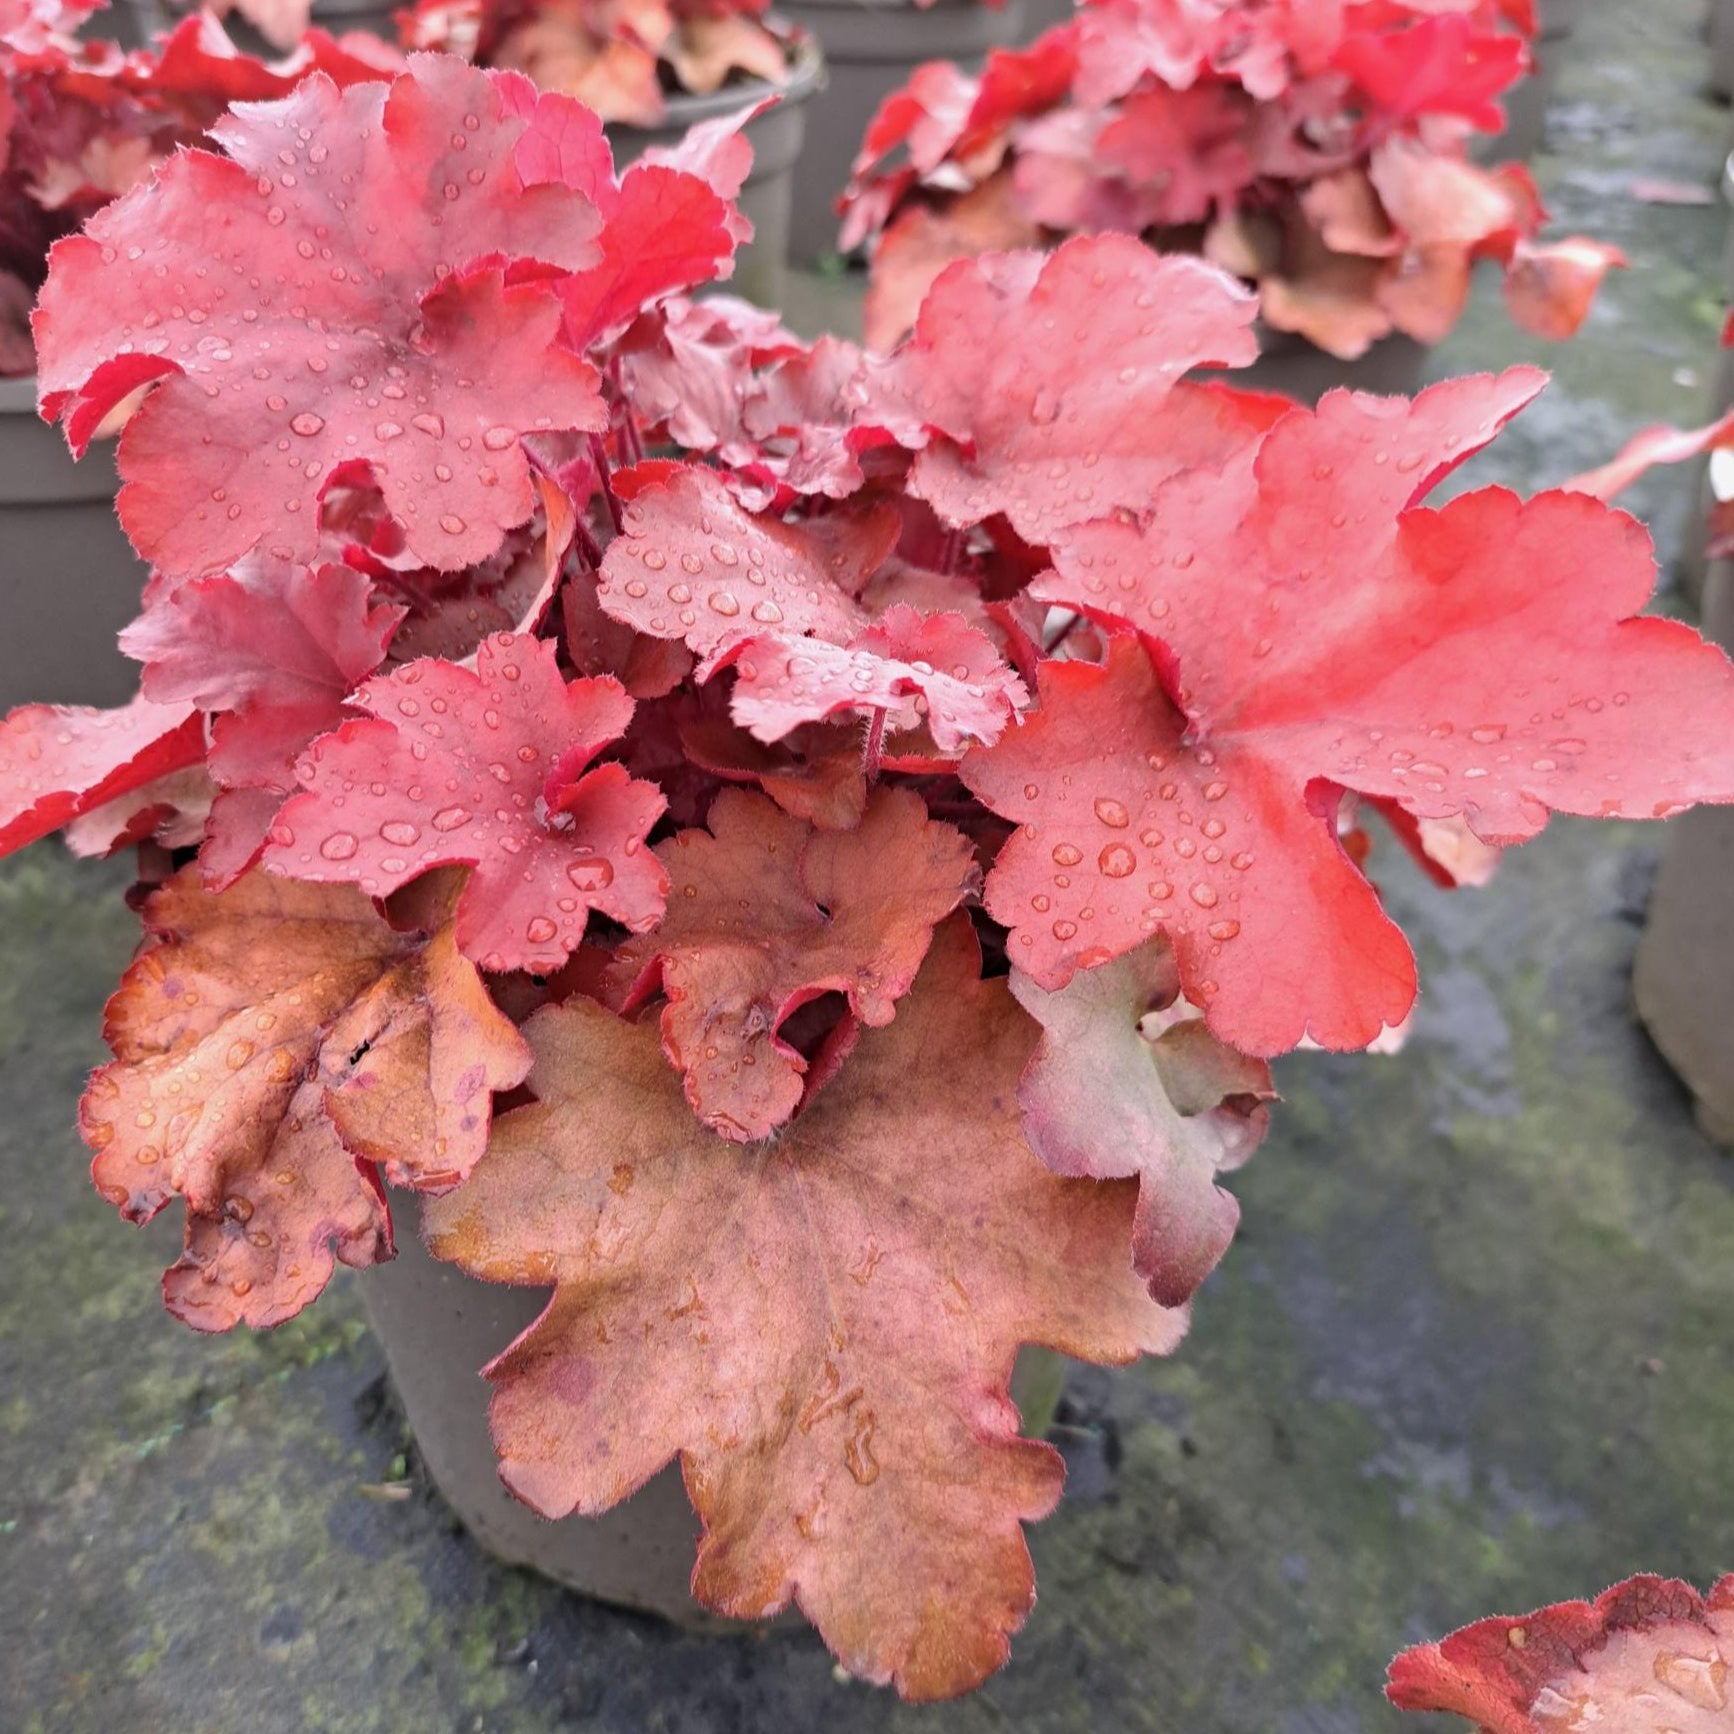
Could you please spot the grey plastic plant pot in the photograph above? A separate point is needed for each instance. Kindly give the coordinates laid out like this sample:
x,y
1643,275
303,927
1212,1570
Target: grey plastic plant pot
x,y
1691,569
1722,49
337,16
1291,365
1684,979
871,47
438,1326
70,578
777,137
1041,16
1526,104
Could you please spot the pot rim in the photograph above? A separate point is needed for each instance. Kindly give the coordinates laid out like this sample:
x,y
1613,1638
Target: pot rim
x,y
806,71
903,5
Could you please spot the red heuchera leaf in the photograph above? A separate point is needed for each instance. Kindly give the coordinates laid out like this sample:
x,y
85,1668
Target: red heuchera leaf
x,y
721,155
293,639
277,650
692,565
1551,288
1146,841
57,761
352,301
171,810
802,1322
1188,143
932,669
1483,659
275,1043
818,777
486,770
197,70
1654,445
1010,364
687,367
1649,1656
1129,1083
1439,65
923,239
764,914
666,232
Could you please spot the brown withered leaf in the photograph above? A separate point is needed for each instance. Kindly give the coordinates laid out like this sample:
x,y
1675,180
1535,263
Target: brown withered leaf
x,y
822,1326
275,1043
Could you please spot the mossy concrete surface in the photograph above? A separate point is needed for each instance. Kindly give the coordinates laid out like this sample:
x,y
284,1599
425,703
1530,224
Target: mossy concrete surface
x,y
1472,1351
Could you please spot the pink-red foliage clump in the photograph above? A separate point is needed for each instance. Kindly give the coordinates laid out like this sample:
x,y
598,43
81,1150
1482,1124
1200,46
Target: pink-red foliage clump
x,y
622,58
1321,153
81,122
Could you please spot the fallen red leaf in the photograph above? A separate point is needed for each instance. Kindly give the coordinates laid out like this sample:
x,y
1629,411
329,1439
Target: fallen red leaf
x,y
1649,1656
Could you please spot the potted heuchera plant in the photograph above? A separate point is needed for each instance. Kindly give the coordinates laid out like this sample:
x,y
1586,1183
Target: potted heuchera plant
x,y
704,878
80,123
654,70
1319,154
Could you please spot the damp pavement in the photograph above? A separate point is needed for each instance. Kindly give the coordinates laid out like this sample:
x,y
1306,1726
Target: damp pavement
x,y
1470,1353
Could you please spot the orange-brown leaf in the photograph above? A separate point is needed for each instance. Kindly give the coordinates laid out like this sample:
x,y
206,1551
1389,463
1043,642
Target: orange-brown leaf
x,y
766,913
278,1041
822,1326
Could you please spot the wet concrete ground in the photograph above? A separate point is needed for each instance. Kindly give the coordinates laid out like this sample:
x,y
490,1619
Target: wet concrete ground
x,y
1471,1351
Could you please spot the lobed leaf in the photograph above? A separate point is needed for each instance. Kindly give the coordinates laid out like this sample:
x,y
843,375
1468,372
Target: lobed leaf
x,y
766,913
1649,1656
691,565
347,304
1052,386
822,1327
1485,659
931,670
274,1043
484,769
1128,1083
58,761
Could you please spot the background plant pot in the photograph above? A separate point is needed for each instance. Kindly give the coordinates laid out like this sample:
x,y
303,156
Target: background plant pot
x,y
1722,48
1692,567
871,47
1041,16
69,576
777,137
376,17
1684,979
1290,364
437,1326
1526,104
